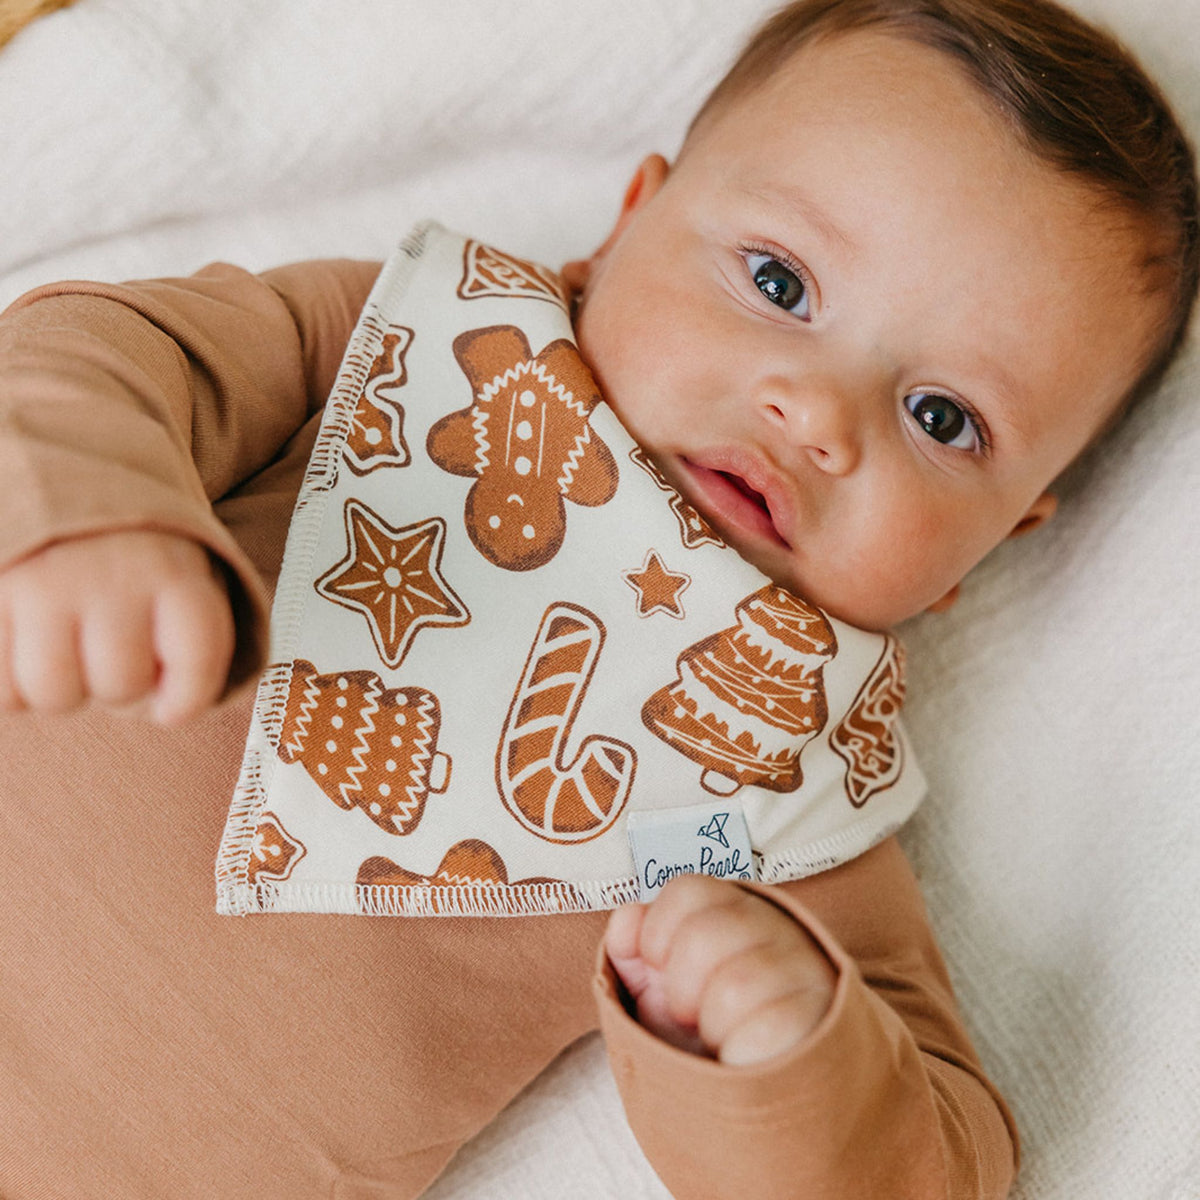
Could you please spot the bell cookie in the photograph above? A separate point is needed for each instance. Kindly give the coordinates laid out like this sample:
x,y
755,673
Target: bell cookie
x,y
556,800
366,746
526,442
747,699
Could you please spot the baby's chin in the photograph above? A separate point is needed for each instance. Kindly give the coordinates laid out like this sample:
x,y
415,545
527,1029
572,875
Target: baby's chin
x,y
832,597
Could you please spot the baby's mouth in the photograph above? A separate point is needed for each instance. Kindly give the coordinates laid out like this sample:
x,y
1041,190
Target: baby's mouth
x,y
732,503
742,486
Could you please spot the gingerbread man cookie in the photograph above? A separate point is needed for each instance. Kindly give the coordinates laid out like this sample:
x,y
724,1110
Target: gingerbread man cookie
x,y
364,745
748,699
471,863
526,442
866,737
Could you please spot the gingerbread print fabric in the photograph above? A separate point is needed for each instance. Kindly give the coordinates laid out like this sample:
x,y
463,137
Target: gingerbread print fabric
x,y
499,633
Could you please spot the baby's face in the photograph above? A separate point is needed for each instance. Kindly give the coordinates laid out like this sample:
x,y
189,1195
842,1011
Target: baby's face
x,y
861,328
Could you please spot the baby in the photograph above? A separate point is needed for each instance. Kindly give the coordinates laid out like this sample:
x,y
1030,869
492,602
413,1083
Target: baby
x,y
861,324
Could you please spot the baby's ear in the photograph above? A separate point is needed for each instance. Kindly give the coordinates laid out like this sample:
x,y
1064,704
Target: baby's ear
x,y
650,175
1040,511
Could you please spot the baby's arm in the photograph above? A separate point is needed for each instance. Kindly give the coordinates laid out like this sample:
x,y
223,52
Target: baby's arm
x,y
882,1097
126,412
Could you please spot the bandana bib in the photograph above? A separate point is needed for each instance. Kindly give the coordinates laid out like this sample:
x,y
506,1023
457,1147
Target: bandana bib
x,y
512,670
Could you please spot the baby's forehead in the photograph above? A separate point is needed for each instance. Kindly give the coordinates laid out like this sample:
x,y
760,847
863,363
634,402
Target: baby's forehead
x,y
851,50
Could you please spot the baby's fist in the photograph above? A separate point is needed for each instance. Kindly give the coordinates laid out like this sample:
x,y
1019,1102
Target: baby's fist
x,y
137,621
719,971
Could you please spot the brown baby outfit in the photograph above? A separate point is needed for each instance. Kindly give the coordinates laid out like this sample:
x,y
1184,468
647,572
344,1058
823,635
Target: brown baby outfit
x,y
151,1049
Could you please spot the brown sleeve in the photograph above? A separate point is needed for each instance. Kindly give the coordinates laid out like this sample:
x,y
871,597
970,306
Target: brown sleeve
x,y
136,406
885,1098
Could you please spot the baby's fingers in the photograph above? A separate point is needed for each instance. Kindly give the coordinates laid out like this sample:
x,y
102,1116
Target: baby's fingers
x,y
764,1001
770,1031
695,924
46,673
118,657
622,944
194,640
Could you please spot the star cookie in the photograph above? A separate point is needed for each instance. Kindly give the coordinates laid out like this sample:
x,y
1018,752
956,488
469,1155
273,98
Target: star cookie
x,y
393,577
658,590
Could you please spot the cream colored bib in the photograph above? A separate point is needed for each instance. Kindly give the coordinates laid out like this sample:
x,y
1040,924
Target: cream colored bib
x,y
508,658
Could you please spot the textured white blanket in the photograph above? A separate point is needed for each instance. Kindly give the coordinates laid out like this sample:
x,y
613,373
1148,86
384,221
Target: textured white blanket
x,y
1055,709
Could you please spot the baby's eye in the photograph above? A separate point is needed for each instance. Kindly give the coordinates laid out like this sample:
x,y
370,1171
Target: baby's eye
x,y
779,283
943,420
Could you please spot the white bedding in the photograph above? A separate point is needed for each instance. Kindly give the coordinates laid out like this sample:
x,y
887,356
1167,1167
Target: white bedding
x,y
1055,707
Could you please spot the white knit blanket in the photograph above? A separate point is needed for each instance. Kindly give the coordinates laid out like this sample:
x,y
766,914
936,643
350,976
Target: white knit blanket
x,y
1054,709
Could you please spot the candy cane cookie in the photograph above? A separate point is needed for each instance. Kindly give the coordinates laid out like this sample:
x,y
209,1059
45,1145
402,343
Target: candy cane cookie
x,y
557,800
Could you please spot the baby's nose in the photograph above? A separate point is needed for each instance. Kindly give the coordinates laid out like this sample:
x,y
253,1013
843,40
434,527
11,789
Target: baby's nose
x,y
815,416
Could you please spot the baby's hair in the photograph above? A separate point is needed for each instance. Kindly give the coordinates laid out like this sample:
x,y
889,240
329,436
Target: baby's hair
x,y
1077,98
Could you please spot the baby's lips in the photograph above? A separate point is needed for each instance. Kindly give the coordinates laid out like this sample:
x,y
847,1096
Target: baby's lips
x,y
745,480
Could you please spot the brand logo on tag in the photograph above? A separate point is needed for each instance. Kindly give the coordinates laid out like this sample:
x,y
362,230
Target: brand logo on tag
x,y
703,839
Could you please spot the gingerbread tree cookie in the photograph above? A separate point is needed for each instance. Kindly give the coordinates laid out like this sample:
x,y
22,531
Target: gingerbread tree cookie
x,y
748,699
526,442
866,737
365,746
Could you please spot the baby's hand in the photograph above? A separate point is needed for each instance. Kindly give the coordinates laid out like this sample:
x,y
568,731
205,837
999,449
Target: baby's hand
x,y
719,971
138,621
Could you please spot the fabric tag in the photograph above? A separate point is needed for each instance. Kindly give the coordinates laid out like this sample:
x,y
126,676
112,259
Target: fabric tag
x,y
702,839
